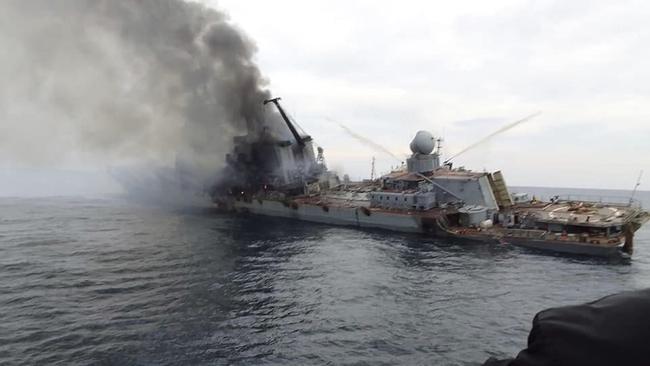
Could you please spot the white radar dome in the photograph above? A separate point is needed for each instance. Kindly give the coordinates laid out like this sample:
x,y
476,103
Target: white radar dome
x,y
423,143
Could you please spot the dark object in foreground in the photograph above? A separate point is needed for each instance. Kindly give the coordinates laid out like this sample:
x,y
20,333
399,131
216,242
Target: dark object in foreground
x,y
614,330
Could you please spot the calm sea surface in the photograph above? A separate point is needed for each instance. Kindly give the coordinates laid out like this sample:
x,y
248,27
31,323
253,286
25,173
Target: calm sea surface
x,y
104,281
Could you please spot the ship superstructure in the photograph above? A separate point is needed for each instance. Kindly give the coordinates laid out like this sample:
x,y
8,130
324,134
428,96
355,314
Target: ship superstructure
x,y
285,178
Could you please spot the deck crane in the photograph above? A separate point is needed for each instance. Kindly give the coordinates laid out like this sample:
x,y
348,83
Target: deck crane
x,y
300,139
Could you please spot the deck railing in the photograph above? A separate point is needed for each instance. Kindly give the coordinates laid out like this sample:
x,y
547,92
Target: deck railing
x,y
605,200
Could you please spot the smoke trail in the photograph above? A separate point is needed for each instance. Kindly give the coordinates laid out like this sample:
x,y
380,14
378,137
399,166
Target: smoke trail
x,y
366,141
497,132
107,81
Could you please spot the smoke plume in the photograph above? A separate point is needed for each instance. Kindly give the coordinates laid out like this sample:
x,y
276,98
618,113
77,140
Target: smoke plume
x,y
163,81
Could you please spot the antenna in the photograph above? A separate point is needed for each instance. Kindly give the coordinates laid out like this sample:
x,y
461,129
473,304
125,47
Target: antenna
x,y
372,169
638,183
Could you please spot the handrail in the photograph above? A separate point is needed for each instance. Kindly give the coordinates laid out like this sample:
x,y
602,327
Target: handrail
x,y
605,200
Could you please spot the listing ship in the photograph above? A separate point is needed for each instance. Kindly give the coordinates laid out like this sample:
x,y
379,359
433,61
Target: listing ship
x,y
275,176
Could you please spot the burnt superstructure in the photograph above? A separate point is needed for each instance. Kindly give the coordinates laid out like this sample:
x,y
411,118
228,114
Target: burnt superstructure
x,y
275,155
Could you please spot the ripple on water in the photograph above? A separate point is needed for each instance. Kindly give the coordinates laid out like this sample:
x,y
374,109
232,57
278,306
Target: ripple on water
x,y
105,282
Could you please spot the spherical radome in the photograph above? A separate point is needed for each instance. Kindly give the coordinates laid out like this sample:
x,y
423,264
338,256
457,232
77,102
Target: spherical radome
x,y
423,143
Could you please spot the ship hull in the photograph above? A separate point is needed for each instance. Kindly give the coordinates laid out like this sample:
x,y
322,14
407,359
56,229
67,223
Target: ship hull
x,y
333,215
569,248
552,245
403,222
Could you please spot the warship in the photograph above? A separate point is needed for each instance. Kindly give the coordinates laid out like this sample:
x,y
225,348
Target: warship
x,y
281,175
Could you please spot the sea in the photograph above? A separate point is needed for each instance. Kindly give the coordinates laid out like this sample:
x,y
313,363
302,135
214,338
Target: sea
x,y
105,281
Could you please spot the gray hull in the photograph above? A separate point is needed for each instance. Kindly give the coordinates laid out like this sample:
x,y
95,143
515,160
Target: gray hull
x,y
402,222
347,216
568,247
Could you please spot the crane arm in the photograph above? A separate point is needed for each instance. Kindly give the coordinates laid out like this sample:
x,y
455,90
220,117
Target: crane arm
x,y
292,128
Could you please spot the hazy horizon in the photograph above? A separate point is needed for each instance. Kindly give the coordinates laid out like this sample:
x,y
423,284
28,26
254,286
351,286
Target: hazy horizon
x,y
460,70
52,183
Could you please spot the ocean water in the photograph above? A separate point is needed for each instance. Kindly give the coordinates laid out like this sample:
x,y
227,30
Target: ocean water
x,y
108,282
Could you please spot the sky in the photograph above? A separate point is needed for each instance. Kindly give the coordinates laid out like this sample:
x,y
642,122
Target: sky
x,y
459,69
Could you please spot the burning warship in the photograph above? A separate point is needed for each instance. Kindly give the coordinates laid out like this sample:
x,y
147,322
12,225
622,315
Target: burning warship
x,y
280,175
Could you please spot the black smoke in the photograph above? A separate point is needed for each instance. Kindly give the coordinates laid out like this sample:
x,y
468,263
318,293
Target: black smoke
x,y
152,82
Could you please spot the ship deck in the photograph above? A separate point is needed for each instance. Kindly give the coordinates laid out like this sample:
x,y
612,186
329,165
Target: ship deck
x,y
579,214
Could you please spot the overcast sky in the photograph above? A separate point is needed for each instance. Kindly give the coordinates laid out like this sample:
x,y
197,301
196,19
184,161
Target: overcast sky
x,y
461,69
